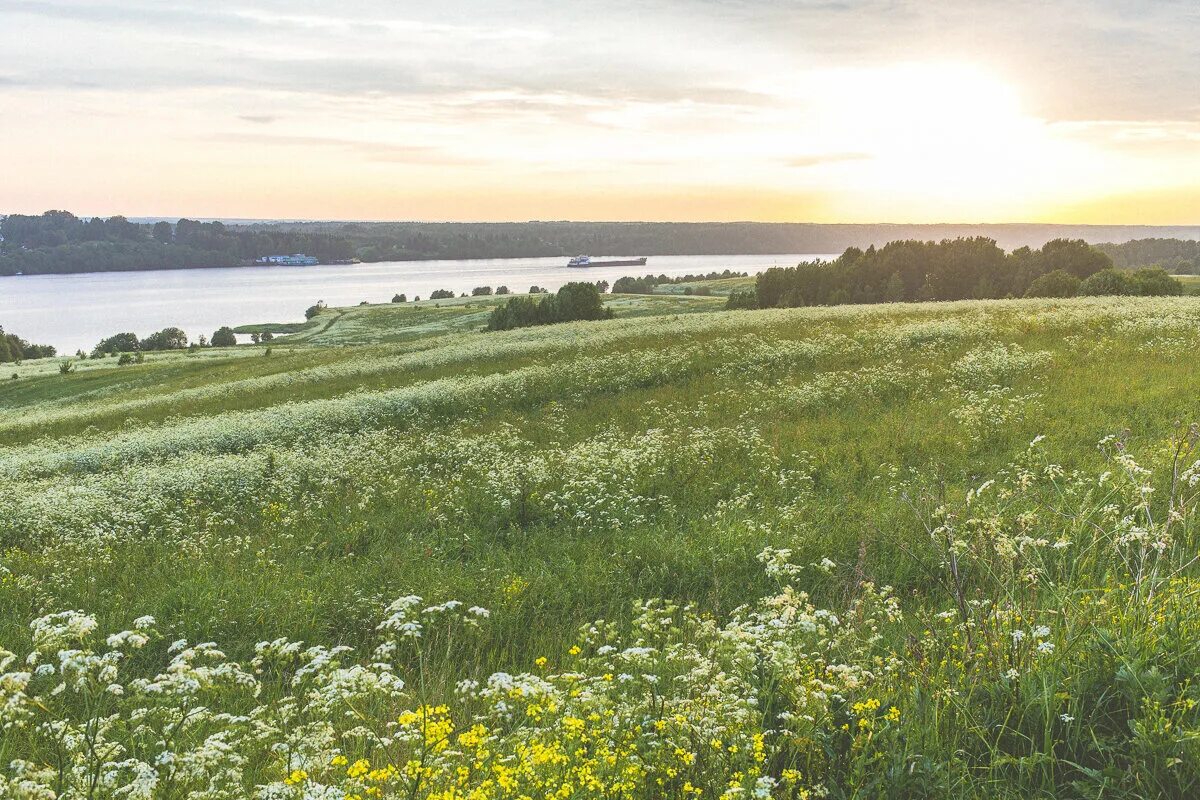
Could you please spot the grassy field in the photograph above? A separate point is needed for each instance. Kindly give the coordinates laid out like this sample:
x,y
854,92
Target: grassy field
x,y
941,550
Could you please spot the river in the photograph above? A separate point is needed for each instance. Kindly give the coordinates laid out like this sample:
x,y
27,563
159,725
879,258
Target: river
x,y
74,312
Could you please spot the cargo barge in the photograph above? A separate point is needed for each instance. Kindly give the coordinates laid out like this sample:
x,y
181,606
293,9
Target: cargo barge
x,y
586,261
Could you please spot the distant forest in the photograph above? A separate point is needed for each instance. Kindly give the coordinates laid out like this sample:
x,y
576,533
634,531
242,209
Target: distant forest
x,y
1180,256
60,242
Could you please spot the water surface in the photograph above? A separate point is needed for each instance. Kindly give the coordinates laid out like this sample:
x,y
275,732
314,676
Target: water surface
x,y
75,312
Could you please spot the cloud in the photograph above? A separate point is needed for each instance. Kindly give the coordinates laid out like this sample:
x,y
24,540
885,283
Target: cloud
x,y
258,119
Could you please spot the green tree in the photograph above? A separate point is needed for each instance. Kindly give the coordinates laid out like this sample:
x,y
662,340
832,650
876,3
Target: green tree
x,y
893,292
224,337
166,339
117,343
162,232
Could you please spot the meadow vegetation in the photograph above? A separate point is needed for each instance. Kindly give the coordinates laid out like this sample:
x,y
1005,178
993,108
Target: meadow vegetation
x,y
895,550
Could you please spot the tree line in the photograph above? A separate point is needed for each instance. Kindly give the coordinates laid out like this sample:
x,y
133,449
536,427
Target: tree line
x,y
1179,256
13,348
169,338
952,269
58,242
574,301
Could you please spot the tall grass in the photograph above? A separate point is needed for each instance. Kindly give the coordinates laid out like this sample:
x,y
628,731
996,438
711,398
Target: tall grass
x,y
868,582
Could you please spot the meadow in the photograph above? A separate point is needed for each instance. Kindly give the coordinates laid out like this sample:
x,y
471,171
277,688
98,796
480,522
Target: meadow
x,y
899,550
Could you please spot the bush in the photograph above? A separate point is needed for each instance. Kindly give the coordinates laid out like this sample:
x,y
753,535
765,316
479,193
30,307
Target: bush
x,y
1108,282
1155,282
741,299
66,367
126,358
1058,283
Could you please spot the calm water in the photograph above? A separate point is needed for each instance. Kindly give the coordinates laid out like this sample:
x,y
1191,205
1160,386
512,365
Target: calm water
x,y
75,312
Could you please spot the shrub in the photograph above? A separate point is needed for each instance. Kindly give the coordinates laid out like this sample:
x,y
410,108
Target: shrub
x,y
1108,282
743,298
1058,283
1155,282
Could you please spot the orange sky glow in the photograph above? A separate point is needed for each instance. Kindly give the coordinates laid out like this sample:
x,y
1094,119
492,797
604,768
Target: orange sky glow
x,y
691,110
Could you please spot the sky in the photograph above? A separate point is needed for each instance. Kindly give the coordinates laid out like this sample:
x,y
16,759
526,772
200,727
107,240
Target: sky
x,y
831,111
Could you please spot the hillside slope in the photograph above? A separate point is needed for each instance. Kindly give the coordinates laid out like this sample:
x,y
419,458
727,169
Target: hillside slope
x,y
764,474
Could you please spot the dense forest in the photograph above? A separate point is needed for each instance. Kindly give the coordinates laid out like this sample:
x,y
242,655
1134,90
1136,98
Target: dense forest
x,y
953,269
14,348
60,242
1180,256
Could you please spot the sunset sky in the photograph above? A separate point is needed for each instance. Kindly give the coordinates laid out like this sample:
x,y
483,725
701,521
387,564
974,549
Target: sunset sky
x,y
611,109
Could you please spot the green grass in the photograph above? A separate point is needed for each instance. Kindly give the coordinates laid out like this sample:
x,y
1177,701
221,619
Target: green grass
x,y
557,475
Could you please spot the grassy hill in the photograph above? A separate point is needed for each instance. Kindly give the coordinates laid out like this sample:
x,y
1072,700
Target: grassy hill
x,y
806,552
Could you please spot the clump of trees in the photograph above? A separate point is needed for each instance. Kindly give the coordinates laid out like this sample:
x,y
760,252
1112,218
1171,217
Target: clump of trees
x,y
481,291
646,283
1148,281
170,338
574,301
315,309
441,294
399,298
13,348
953,269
